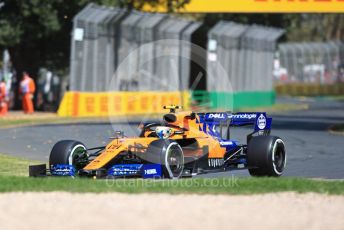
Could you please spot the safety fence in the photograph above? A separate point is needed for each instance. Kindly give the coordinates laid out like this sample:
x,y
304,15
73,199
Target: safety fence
x,y
312,62
105,49
246,54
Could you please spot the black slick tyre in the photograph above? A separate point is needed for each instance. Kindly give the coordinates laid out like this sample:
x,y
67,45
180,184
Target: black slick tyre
x,y
266,156
68,152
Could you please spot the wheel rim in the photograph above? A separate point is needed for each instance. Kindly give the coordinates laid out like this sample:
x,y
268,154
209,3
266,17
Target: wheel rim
x,y
174,160
279,157
77,156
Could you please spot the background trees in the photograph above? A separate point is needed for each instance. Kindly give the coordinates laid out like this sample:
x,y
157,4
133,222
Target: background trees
x,y
38,34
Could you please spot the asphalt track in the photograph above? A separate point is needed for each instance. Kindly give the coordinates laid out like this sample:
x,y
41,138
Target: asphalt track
x,y
312,151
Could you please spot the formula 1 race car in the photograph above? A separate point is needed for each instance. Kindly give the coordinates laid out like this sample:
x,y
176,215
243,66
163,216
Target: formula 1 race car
x,y
182,145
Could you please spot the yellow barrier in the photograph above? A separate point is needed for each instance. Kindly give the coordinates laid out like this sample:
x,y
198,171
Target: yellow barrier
x,y
255,6
298,89
85,104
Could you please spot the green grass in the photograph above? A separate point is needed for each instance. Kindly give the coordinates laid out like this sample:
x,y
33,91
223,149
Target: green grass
x,y
18,122
41,118
276,108
198,186
14,171
8,123
14,166
285,107
336,98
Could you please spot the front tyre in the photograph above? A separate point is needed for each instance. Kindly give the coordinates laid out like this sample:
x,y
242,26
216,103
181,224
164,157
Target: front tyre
x,y
266,156
69,152
169,154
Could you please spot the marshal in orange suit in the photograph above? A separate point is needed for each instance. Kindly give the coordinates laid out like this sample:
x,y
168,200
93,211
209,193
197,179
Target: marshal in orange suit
x,y
3,102
27,89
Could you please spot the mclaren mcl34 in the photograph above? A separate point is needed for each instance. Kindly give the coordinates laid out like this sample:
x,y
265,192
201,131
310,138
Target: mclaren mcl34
x,y
183,144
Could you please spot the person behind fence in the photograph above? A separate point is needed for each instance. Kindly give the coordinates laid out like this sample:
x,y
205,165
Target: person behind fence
x,y
3,98
26,90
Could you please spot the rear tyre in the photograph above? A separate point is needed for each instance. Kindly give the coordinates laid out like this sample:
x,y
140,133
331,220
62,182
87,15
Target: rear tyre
x,y
266,156
69,152
169,154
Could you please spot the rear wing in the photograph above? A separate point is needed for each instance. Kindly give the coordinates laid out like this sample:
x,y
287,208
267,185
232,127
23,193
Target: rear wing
x,y
258,119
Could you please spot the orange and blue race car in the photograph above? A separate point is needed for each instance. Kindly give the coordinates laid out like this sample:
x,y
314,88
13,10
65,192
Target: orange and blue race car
x,y
183,144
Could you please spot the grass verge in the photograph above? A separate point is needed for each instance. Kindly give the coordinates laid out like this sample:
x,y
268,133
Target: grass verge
x,y
25,121
18,119
14,171
277,108
41,119
14,166
225,185
335,98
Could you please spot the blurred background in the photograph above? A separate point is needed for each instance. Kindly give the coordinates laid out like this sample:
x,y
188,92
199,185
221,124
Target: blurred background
x,y
78,46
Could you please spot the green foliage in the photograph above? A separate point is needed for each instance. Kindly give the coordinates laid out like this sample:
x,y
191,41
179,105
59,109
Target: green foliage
x,y
299,27
19,19
9,33
314,27
37,33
